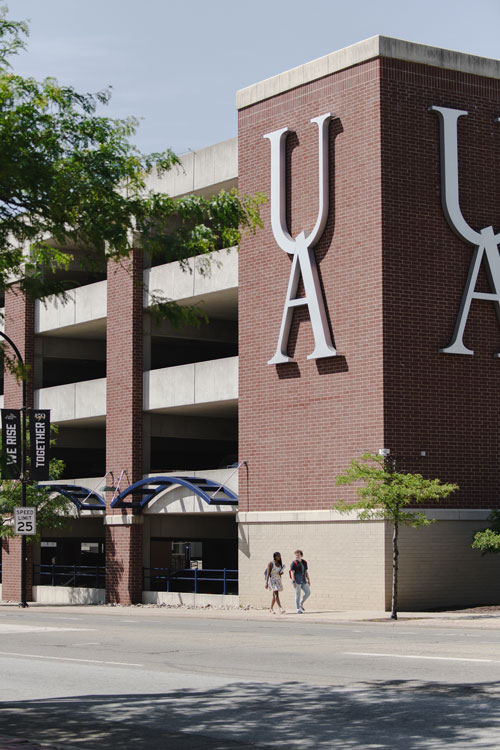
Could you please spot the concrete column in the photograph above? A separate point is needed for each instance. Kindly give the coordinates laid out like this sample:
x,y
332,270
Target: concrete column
x,y
124,427
20,327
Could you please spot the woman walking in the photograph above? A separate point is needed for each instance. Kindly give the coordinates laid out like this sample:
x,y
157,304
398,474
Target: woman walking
x,y
273,580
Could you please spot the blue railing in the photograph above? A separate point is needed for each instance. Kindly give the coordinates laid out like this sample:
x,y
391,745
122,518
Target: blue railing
x,y
198,581
83,576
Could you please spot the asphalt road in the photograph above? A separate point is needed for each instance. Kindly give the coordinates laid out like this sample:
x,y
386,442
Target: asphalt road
x,y
102,678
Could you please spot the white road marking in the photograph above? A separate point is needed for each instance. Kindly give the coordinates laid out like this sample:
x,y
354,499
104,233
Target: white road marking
x,y
20,629
68,658
415,656
90,643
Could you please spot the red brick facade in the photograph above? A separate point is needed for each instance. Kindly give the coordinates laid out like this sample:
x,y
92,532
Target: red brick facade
x,y
11,570
124,564
443,403
393,274
301,422
19,326
124,420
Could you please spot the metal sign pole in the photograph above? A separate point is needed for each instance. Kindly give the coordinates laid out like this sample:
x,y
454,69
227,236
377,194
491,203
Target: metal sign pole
x,y
23,494
23,602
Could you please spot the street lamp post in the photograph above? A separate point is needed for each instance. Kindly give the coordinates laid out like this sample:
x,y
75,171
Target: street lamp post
x,y
24,478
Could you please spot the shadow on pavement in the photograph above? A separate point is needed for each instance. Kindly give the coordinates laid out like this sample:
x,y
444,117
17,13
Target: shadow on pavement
x,y
395,714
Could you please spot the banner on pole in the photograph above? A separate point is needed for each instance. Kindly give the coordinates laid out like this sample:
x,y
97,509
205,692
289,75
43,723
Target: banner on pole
x,y
11,443
39,443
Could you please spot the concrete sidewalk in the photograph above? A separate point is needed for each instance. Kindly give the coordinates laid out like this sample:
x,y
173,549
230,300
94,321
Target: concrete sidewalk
x,y
482,617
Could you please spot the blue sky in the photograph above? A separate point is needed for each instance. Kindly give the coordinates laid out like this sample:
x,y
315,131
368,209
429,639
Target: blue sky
x,y
177,65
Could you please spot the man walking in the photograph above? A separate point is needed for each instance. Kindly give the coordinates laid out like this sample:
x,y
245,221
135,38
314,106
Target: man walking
x,y
301,581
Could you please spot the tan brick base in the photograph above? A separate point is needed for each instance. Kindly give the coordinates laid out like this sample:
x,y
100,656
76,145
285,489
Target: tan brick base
x,y
350,562
438,568
345,558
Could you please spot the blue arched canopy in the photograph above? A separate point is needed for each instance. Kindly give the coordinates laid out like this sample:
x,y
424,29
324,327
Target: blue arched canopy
x,y
138,495
83,498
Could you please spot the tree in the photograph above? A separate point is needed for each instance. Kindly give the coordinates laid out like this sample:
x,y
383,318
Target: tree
x,y
387,495
70,178
53,511
488,540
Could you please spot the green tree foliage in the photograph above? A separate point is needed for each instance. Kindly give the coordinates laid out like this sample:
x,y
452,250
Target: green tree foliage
x,y
71,178
53,511
488,540
389,495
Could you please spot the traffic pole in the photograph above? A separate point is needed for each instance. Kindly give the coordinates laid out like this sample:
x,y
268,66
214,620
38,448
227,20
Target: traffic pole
x,y
24,478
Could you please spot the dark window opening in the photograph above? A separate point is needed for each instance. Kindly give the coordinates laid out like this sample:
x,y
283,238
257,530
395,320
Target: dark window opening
x,y
175,553
172,454
84,268
78,278
64,371
81,462
76,562
196,565
79,551
167,352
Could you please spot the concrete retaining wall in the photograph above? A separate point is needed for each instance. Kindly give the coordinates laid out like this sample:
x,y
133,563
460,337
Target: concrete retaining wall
x,y
67,595
194,600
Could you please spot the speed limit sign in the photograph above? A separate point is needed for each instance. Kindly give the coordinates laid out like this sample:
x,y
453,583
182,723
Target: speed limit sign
x,y
25,521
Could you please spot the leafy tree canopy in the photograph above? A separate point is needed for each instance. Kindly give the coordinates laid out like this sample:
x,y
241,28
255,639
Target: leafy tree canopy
x,y
386,494
488,540
71,178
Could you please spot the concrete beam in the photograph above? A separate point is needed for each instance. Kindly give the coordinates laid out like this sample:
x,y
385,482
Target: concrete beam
x,y
211,281
194,280
74,401
205,171
83,304
212,382
198,383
